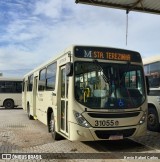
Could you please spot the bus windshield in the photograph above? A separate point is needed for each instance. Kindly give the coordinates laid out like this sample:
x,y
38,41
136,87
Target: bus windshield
x,y
108,85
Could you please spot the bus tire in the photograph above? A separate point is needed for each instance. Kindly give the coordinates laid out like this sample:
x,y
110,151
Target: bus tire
x,y
8,104
30,117
153,121
55,135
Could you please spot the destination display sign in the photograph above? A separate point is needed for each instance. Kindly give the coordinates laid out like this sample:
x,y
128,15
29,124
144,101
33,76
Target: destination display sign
x,y
107,54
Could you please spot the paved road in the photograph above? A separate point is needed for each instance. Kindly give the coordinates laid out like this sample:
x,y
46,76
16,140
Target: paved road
x,y
20,135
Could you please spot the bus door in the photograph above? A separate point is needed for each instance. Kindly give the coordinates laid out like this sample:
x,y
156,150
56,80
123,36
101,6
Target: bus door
x,y
64,101
35,96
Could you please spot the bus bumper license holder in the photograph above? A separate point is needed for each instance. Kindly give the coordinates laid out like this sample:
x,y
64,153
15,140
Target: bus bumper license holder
x,y
116,137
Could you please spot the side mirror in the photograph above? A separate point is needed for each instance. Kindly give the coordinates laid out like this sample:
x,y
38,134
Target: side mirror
x,y
69,69
147,85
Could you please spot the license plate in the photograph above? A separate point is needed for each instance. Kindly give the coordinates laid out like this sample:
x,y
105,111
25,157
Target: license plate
x,y
116,137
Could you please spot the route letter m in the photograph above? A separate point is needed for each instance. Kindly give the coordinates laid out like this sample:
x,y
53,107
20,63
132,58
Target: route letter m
x,y
88,54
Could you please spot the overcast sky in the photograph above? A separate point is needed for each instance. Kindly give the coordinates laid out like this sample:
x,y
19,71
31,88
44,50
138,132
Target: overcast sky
x,y
33,31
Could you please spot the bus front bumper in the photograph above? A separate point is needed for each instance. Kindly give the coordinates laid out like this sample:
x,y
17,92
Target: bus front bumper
x,y
80,133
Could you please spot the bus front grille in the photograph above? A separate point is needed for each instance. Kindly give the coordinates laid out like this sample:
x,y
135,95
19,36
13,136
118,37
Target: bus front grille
x,y
113,115
105,134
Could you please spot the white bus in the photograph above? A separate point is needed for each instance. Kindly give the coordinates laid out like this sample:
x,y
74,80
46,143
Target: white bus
x,y
10,92
89,93
152,70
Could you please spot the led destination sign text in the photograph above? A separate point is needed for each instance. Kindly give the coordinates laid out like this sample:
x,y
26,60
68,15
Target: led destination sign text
x,y
106,53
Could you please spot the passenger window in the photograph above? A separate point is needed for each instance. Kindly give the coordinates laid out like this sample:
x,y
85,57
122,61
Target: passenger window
x,y
18,87
42,80
11,87
51,77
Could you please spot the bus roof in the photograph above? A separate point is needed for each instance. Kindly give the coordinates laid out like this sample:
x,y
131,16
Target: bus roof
x,y
150,60
10,79
70,49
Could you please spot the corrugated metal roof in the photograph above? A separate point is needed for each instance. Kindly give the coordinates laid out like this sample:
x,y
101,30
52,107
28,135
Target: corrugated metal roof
x,y
149,6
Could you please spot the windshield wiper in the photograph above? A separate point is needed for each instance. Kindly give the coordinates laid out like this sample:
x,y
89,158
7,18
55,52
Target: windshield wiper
x,y
127,69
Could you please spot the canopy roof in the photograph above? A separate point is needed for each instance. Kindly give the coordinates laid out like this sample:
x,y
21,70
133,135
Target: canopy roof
x,y
149,6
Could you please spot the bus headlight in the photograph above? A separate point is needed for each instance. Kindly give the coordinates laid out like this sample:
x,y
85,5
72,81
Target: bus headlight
x,y
143,118
80,119
158,98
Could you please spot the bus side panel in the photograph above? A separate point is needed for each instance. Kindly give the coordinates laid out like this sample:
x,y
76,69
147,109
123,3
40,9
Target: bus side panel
x,y
44,100
16,97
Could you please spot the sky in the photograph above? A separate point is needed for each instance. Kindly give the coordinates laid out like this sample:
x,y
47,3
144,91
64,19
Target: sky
x,y
33,31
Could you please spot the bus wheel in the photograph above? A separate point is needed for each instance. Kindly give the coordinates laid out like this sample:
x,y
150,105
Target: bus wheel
x,y
153,122
55,135
8,104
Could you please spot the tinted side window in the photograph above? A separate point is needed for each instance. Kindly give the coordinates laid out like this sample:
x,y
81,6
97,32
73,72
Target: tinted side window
x,y
2,86
42,80
18,87
154,93
153,72
10,87
51,76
